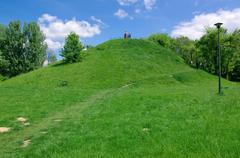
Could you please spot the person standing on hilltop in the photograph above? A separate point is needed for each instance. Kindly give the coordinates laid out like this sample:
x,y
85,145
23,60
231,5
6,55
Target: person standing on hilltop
x,y
129,36
126,35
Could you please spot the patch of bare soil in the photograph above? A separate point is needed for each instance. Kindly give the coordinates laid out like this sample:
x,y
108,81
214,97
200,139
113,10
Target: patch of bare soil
x,y
58,120
26,124
44,132
146,130
26,143
22,119
4,129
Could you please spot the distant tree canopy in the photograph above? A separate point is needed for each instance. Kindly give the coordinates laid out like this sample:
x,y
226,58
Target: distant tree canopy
x,y
72,49
230,51
202,53
187,50
162,39
22,49
51,56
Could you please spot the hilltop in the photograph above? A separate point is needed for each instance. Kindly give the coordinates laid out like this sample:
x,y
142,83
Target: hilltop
x,y
126,98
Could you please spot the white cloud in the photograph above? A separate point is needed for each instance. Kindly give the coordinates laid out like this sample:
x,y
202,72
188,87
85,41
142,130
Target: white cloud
x,y
195,28
93,18
56,29
149,4
127,2
137,11
53,45
47,17
122,14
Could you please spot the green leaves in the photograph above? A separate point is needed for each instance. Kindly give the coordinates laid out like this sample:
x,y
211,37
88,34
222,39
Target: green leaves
x,y
162,39
230,51
187,50
35,48
203,53
51,56
23,48
72,49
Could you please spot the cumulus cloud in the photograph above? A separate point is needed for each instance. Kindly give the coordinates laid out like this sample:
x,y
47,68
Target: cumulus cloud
x,y
195,28
53,45
56,29
146,4
122,14
127,2
149,4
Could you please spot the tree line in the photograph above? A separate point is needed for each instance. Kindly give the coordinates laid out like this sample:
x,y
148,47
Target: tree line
x,y
22,48
202,53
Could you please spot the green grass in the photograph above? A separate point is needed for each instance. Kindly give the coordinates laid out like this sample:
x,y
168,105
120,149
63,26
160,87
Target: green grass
x,y
2,78
127,98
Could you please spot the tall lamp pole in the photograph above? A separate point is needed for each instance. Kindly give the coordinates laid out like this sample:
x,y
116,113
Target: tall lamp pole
x,y
218,25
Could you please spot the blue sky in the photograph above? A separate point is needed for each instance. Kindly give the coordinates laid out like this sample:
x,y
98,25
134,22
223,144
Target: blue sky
x,y
99,20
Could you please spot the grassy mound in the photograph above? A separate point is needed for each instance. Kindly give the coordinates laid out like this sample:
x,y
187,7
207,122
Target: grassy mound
x,y
127,98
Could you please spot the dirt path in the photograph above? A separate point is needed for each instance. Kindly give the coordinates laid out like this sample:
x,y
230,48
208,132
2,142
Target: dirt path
x,y
36,130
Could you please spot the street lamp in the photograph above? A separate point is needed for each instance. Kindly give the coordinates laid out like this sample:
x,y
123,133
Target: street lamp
x,y
218,25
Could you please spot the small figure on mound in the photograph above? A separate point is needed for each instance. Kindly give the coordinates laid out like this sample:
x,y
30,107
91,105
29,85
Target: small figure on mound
x,y
126,35
129,36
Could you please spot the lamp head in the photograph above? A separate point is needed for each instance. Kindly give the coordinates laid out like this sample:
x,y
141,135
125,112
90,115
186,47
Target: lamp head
x,y
218,25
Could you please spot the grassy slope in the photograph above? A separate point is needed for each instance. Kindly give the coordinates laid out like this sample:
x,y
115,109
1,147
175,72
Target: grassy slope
x,y
126,99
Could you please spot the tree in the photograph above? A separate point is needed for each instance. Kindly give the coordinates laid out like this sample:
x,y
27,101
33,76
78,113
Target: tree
x,y
13,49
163,40
3,62
187,50
72,48
51,56
234,64
24,48
34,48
208,49
2,36
203,52
182,45
230,51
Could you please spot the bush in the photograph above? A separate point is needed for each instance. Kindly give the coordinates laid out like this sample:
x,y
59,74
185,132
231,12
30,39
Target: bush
x,y
72,49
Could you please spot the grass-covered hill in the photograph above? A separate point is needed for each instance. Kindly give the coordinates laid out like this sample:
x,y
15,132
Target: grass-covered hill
x,y
127,98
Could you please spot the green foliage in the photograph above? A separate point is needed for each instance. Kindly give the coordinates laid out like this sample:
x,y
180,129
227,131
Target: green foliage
x,y
181,45
34,46
23,49
187,50
51,57
89,47
2,36
230,51
72,49
3,78
13,49
234,63
203,52
163,40
3,62
208,48
128,98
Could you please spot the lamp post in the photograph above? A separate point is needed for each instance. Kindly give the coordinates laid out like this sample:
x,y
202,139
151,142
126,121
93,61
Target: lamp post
x,y
218,25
